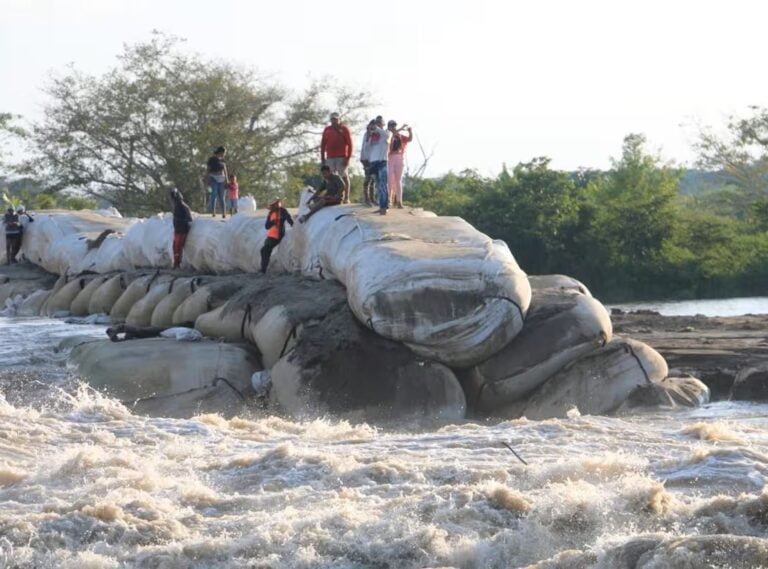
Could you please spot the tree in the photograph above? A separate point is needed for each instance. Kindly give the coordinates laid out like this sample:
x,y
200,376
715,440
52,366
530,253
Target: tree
x,y
150,124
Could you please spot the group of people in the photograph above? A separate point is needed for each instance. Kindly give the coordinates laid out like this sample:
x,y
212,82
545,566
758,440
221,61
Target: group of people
x,y
14,232
382,154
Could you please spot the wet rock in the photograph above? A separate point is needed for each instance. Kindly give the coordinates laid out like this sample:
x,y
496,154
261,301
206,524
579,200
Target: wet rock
x,y
561,326
340,367
599,382
751,384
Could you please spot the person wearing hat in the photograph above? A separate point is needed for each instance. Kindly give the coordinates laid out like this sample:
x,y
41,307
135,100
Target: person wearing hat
x,y
336,150
396,161
182,220
275,226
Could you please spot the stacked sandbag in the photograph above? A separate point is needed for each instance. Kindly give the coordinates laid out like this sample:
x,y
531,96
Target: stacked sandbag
x,y
562,325
32,305
599,382
436,284
162,315
149,242
207,298
82,301
561,282
23,279
686,391
141,312
134,292
60,301
167,377
342,368
104,297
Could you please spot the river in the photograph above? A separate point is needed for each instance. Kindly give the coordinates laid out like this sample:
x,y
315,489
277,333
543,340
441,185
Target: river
x,y
85,483
707,307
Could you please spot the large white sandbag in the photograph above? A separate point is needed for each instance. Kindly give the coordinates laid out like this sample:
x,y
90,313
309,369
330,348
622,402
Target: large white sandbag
x,y
104,298
230,326
79,306
205,299
275,334
561,326
133,293
106,254
58,240
435,283
599,382
246,204
140,313
62,299
162,315
149,242
31,305
204,243
340,367
160,374
562,282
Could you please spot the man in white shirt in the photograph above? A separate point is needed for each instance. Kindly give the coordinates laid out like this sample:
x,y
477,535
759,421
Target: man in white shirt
x,y
378,149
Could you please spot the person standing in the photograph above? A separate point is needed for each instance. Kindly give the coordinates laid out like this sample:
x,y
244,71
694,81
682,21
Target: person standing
x,y
12,224
182,220
233,194
396,161
275,226
369,183
336,150
217,179
378,149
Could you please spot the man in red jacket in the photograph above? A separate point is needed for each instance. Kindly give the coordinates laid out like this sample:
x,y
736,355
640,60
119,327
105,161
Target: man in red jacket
x,y
336,150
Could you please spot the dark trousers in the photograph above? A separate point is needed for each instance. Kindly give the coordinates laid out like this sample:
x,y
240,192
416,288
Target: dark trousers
x,y
12,247
266,252
178,246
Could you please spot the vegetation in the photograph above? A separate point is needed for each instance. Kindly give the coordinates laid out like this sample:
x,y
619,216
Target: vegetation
x,y
627,233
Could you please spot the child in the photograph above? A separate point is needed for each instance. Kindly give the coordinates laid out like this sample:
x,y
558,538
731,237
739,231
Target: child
x,y
233,194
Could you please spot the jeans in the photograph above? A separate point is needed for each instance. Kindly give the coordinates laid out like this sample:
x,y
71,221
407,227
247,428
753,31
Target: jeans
x,y
266,252
379,171
217,194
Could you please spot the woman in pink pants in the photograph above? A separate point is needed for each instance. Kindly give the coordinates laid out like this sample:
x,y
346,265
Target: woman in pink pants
x,y
395,161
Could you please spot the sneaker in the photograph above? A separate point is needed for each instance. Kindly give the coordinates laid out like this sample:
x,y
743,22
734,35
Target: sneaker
x,y
383,211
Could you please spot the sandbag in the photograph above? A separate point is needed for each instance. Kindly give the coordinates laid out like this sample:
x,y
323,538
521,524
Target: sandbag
x,y
134,292
149,242
435,283
340,367
561,326
161,374
32,305
103,298
230,327
207,298
162,315
599,382
61,300
80,304
670,392
275,334
561,282
141,312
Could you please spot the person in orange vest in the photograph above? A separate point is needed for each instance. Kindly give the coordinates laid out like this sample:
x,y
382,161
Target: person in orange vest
x,y
275,226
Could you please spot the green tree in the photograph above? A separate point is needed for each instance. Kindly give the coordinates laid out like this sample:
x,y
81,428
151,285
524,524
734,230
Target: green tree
x,y
152,122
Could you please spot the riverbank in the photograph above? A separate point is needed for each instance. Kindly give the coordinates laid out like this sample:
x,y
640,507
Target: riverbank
x,y
714,349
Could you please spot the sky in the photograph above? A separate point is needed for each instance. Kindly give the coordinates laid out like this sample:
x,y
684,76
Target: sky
x,y
482,82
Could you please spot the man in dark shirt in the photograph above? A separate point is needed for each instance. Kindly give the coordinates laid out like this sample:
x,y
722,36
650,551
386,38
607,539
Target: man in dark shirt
x,y
329,193
182,219
13,232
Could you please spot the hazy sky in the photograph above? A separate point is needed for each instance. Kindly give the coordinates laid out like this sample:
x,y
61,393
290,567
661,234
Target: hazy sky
x,y
482,81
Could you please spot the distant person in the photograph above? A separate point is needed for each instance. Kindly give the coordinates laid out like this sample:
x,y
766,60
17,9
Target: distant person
x,y
233,194
13,233
275,226
329,193
182,221
369,183
377,155
396,161
217,179
336,150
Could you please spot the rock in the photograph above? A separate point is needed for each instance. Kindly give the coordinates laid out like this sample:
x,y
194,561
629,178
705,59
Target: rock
x,y
342,368
561,326
670,392
751,384
599,382
167,377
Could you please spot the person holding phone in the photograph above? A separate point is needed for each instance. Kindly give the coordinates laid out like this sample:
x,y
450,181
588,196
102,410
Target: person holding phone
x,y
396,161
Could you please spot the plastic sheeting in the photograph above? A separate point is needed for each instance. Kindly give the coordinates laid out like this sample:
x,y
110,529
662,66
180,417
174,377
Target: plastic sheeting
x,y
449,292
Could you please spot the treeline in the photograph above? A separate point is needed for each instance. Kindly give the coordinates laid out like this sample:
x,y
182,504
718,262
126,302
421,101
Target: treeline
x,y
627,233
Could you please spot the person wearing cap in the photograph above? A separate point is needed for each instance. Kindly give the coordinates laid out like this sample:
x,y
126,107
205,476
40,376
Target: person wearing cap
x,y
182,220
378,149
329,193
217,180
369,183
336,150
396,161
275,226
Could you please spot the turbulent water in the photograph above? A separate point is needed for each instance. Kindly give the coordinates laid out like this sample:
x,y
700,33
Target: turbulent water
x,y
707,307
84,483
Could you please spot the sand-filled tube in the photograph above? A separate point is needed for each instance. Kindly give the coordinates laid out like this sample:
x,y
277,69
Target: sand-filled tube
x,y
134,292
80,305
103,298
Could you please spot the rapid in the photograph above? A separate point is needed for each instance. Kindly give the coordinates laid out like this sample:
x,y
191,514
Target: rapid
x,y
85,483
